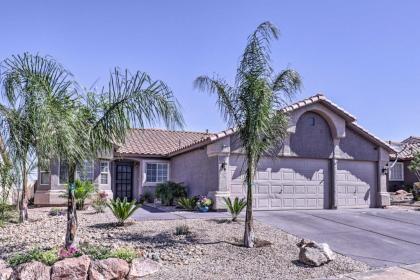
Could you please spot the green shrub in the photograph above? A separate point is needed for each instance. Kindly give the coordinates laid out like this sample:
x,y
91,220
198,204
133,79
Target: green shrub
x,y
83,190
56,212
169,191
98,252
235,208
48,257
182,230
149,197
122,210
5,211
127,254
95,251
188,203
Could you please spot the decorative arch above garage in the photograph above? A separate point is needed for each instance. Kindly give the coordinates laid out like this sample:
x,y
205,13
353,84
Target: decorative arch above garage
x,y
312,137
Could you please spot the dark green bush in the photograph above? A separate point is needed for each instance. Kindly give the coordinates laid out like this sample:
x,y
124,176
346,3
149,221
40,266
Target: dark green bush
x,y
169,191
188,203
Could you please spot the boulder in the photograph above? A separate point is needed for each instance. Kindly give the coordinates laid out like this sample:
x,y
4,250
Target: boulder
x,y
401,192
32,271
314,254
6,273
108,269
3,264
141,267
71,269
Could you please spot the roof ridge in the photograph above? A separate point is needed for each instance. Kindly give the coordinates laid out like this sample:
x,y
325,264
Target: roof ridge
x,y
171,130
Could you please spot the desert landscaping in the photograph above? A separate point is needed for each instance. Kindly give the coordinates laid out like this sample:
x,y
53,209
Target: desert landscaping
x,y
206,248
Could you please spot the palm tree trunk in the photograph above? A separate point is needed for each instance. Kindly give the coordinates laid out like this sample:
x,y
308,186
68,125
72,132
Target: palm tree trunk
x,y
71,209
23,203
249,237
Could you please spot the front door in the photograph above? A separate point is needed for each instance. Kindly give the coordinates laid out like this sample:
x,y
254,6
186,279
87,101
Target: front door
x,y
124,180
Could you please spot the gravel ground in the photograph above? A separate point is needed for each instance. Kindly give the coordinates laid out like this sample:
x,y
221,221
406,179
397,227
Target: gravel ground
x,y
210,251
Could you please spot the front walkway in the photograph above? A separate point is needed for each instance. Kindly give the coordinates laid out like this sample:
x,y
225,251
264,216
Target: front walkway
x,y
147,213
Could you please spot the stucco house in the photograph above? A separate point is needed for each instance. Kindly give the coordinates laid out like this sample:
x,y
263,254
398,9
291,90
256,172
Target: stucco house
x,y
399,174
327,161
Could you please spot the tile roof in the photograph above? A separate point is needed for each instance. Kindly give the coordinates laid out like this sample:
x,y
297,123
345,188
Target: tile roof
x,y
159,142
406,148
320,98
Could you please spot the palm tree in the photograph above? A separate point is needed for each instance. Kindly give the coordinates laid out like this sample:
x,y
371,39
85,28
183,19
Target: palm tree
x,y
253,106
105,117
35,97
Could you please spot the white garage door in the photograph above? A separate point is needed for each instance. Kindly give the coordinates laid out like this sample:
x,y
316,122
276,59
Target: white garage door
x,y
284,183
356,183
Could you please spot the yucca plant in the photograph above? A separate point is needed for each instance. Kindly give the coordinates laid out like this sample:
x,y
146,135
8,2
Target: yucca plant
x,y
235,208
122,210
187,203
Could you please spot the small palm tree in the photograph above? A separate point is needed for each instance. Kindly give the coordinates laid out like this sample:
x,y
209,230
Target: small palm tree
x,y
253,106
105,117
235,208
35,114
122,210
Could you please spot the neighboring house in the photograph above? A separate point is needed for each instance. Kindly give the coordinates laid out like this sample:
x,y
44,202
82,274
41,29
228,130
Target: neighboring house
x,y
399,174
327,161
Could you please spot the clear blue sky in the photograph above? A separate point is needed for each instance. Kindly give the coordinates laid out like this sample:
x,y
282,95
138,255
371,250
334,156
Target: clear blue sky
x,y
364,55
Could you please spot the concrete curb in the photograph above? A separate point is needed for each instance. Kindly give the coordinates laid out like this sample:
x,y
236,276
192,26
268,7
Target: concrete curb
x,y
405,272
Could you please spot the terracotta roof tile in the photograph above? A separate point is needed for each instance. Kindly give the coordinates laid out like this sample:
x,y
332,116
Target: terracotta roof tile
x,y
406,148
158,142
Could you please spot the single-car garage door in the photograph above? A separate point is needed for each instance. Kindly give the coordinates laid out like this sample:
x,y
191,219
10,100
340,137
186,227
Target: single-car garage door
x,y
285,183
356,183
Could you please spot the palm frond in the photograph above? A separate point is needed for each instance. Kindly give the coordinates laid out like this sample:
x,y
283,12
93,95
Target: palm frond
x,y
285,85
130,100
226,97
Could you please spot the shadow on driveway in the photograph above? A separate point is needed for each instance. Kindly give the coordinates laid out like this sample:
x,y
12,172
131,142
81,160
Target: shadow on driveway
x,y
378,237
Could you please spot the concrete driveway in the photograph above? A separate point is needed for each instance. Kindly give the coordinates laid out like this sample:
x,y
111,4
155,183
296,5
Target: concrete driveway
x,y
379,237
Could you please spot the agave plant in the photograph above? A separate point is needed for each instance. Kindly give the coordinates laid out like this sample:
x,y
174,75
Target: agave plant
x,y
187,203
122,210
235,208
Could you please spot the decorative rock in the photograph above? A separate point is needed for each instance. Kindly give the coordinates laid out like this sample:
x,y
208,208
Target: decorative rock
x,y
142,267
111,268
3,264
6,273
32,271
314,254
401,192
71,269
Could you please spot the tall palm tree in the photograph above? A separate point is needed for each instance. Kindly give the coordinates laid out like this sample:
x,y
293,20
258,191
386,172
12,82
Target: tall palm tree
x,y
105,117
35,103
253,106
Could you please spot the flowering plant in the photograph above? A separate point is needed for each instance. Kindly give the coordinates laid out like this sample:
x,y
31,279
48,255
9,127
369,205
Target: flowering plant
x,y
204,201
69,252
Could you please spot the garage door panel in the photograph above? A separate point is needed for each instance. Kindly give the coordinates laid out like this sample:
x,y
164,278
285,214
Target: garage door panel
x,y
289,184
356,183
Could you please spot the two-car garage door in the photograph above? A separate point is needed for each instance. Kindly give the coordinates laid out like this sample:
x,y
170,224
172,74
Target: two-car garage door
x,y
296,183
